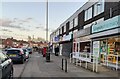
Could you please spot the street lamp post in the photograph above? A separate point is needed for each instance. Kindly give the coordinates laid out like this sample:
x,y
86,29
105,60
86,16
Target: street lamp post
x,y
47,20
47,54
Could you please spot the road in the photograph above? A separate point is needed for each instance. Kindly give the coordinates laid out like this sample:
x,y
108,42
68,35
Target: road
x,y
19,68
36,66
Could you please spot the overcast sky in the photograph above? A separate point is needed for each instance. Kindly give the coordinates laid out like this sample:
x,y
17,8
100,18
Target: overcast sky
x,y
22,19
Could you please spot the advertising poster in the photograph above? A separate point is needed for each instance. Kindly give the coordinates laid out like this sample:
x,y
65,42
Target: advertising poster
x,y
96,48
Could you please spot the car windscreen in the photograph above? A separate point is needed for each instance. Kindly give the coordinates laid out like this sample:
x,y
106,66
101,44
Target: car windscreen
x,y
13,51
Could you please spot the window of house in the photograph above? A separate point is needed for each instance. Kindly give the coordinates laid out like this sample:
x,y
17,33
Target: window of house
x,y
75,21
61,31
65,28
71,24
88,13
57,32
99,7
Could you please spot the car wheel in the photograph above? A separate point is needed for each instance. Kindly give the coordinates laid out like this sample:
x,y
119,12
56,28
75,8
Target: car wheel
x,y
25,59
22,61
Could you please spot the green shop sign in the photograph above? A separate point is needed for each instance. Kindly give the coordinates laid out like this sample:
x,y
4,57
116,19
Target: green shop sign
x,y
107,24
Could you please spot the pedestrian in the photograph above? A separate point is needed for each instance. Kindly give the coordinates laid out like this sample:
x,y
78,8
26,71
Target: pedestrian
x,y
44,51
57,51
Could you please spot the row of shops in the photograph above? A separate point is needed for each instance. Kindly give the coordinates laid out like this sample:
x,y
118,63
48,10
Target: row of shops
x,y
102,40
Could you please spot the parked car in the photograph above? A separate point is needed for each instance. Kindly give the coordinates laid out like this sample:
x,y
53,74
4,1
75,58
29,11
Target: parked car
x,y
26,53
29,50
4,50
6,67
16,54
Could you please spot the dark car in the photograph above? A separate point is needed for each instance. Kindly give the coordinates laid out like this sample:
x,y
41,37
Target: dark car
x,y
6,67
16,54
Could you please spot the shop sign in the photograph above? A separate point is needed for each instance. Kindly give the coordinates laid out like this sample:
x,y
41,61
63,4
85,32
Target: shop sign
x,y
108,24
67,38
83,39
96,48
56,39
82,32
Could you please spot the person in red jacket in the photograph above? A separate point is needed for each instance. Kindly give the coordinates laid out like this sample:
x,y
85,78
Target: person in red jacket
x,y
44,51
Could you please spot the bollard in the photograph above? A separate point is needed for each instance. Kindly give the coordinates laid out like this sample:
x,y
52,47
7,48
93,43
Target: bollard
x,y
62,63
47,57
65,65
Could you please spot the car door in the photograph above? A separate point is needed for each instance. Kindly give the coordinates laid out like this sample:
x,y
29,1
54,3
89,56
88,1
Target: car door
x,y
5,65
0,70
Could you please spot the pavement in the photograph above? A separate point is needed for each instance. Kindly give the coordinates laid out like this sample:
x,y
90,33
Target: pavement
x,y
38,67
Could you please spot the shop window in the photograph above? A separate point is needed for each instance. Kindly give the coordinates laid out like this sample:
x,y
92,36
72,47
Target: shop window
x,y
103,51
114,49
103,46
85,47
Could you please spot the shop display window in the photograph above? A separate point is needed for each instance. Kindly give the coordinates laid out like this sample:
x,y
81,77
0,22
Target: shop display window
x,y
117,48
114,46
103,51
103,46
85,47
114,49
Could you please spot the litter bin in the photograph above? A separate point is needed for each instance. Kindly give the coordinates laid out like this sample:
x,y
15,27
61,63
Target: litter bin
x,y
47,57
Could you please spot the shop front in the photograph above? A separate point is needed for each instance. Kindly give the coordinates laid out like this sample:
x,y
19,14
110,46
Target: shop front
x,y
107,34
82,42
55,43
66,45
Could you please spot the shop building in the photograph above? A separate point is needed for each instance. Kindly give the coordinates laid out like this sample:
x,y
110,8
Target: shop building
x,y
106,36
81,24
82,42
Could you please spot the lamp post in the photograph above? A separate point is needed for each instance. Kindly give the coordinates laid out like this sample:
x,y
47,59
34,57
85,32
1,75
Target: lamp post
x,y
47,20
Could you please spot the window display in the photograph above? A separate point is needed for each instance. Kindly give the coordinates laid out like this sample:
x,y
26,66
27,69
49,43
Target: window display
x,y
103,51
114,50
85,47
117,48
